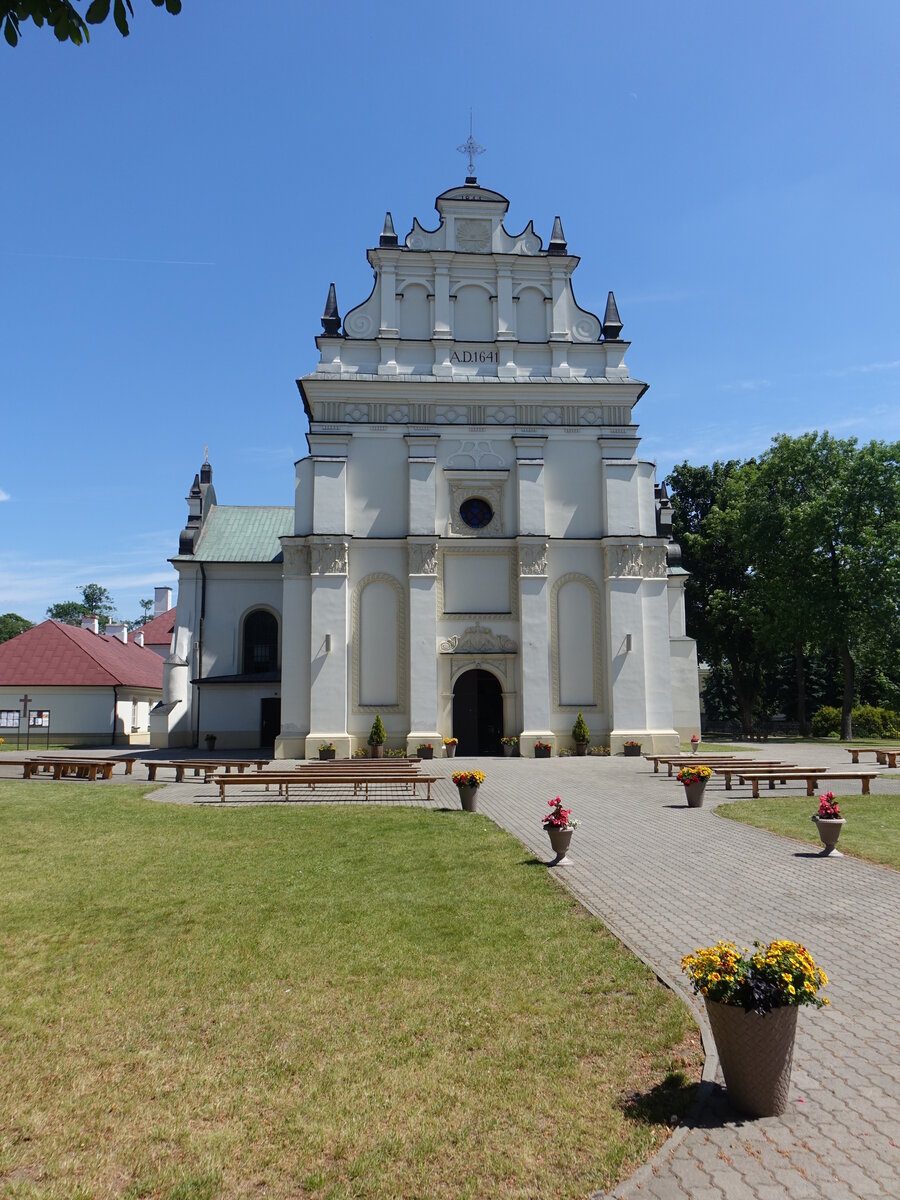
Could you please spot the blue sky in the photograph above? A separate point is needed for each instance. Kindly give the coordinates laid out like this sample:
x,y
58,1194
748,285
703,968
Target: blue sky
x,y
174,206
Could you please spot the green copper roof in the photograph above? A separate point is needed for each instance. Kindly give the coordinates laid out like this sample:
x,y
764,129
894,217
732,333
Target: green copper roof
x,y
238,534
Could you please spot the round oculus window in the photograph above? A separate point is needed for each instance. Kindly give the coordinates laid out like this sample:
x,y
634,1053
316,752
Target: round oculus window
x,y
476,513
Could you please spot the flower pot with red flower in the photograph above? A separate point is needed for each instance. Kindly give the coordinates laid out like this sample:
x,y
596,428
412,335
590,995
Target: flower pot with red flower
x,y
426,750
829,822
752,1001
468,783
541,749
695,743
508,745
450,745
631,749
695,780
560,826
326,751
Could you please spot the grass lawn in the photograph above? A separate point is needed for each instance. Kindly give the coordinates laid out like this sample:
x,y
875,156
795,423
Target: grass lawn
x,y
872,830
311,1001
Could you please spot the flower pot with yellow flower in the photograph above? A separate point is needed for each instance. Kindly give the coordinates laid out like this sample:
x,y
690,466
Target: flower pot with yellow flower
x,y
695,780
467,784
752,1001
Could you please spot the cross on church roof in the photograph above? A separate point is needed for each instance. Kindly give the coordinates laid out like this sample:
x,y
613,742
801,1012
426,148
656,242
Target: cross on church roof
x,y
470,147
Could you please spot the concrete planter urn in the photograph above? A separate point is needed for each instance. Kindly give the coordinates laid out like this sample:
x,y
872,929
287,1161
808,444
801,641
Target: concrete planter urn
x,y
581,748
467,784
450,749
756,1053
507,751
425,752
559,841
327,754
693,793
829,832
376,751
468,796
632,749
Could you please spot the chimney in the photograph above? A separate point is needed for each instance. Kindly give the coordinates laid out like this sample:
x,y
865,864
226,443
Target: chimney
x,y
139,638
162,600
118,630
92,623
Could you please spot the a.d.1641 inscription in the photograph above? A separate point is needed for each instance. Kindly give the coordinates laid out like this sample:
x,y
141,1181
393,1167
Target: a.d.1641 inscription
x,y
464,356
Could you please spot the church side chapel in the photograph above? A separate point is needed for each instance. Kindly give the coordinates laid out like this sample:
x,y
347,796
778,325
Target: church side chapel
x,y
475,548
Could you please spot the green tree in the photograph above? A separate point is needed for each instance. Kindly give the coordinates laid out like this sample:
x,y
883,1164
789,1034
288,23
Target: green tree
x,y
827,548
69,612
11,625
146,614
726,609
95,601
66,21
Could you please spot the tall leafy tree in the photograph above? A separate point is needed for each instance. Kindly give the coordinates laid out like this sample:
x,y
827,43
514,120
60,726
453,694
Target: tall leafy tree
x,y
726,608
95,601
64,18
827,535
11,625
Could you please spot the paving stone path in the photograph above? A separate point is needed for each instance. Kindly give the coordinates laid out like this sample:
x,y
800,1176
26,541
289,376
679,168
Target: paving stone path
x,y
666,879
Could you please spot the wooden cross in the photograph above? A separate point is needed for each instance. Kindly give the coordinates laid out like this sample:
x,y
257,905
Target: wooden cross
x,y
26,700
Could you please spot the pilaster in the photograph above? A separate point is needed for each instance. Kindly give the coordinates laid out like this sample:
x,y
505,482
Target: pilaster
x,y
534,654
423,663
328,645
295,661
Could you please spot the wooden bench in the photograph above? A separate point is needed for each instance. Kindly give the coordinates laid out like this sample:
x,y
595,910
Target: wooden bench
x,y
310,778
61,768
886,755
181,766
812,778
703,760
728,772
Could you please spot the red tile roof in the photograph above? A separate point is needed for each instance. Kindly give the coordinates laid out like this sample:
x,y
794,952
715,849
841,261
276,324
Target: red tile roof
x,y
56,655
158,632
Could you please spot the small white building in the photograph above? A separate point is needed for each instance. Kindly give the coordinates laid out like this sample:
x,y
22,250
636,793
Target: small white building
x,y
475,547
98,689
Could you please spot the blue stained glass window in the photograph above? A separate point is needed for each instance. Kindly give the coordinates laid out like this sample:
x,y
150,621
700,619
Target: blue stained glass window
x,y
476,513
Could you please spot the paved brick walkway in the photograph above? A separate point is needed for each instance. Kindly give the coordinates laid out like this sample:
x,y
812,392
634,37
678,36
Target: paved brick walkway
x,y
666,879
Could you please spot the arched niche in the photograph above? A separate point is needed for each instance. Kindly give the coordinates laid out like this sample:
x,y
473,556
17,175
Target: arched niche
x,y
415,313
575,643
531,315
378,632
473,317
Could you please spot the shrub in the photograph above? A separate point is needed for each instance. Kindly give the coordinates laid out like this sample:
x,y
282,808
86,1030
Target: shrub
x,y
869,721
580,731
826,721
377,734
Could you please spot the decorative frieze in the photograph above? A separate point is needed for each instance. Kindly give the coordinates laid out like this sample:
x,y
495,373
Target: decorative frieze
x,y
634,560
533,558
423,558
328,558
296,557
478,639
610,417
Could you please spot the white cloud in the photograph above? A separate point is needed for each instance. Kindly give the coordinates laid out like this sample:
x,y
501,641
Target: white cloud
x,y
864,369
4,496
745,385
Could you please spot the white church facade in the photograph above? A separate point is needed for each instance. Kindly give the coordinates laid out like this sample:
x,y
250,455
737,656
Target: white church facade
x,y
475,548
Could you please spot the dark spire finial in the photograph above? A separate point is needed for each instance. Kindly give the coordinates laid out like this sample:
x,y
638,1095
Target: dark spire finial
x,y
331,318
612,326
557,238
388,236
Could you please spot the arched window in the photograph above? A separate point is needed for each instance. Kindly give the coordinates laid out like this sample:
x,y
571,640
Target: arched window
x,y
260,642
